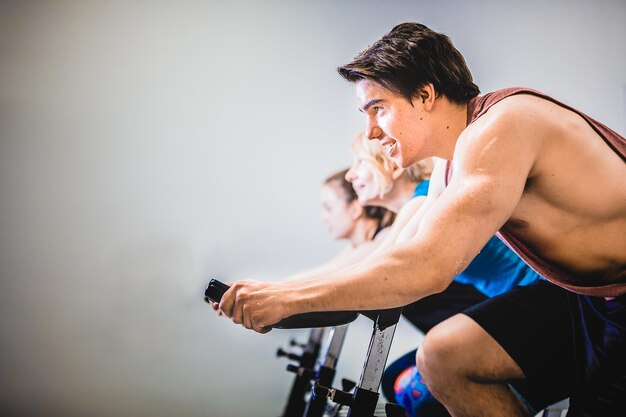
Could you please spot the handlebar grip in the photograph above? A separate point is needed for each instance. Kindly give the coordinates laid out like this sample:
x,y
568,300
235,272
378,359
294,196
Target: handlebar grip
x,y
216,289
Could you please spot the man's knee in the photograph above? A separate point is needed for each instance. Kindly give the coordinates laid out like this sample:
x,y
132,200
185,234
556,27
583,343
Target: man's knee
x,y
438,356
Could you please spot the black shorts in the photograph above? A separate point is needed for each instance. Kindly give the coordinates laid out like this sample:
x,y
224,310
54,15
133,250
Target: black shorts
x,y
432,310
425,314
567,345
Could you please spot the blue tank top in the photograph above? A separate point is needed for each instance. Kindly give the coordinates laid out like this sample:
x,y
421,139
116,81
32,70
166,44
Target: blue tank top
x,y
496,269
421,189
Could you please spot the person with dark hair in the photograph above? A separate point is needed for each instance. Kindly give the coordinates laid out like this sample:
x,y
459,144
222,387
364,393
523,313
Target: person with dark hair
x,y
346,219
411,56
337,189
511,165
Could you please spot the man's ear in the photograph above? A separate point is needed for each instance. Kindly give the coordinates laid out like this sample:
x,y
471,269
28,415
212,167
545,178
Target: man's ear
x,y
426,96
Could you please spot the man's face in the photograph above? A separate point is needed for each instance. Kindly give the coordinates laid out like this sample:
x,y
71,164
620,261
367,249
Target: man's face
x,y
392,119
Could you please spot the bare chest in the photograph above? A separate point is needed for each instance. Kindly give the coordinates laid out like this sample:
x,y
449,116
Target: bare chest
x,y
579,225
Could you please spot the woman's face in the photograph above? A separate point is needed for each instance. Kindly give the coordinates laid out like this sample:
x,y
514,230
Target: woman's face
x,y
362,175
338,215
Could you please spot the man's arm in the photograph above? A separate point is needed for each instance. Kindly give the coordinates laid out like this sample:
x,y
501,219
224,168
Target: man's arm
x,y
410,215
492,162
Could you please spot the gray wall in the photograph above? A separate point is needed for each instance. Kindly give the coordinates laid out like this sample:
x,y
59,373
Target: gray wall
x,y
148,146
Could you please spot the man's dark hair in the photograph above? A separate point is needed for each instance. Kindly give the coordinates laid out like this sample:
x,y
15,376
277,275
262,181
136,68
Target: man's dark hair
x,y
408,58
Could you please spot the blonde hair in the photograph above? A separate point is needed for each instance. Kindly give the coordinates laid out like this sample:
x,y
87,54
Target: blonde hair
x,y
372,151
383,216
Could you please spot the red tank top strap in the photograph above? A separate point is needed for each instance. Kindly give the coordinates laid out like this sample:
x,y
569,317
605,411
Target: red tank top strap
x,y
480,105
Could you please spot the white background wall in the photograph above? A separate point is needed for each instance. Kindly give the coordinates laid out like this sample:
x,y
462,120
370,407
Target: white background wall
x,y
148,146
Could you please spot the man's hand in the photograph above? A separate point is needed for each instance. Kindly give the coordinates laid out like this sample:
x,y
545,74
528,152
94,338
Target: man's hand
x,y
216,307
255,305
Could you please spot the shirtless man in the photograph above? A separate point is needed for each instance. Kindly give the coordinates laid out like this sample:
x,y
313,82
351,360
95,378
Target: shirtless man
x,y
550,180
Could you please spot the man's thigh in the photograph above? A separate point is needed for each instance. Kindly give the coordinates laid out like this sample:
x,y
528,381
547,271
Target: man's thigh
x,y
532,326
462,347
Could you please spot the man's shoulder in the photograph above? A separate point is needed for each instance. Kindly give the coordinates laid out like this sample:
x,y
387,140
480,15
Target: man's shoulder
x,y
512,130
509,114
503,100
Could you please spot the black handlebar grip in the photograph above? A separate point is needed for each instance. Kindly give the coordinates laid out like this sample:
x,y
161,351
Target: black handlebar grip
x,y
216,289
